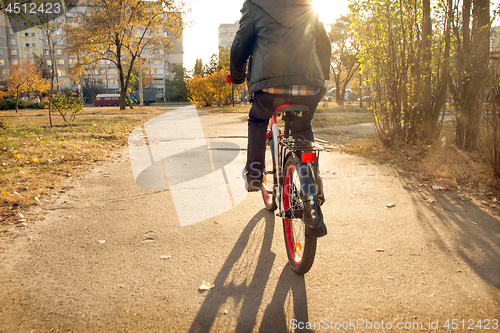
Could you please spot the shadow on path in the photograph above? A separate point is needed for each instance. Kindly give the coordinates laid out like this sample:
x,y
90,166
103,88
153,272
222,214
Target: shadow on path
x,y
290,293
241,282
464,229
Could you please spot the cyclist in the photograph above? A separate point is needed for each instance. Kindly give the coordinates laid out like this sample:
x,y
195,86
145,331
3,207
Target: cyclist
x,y
288,55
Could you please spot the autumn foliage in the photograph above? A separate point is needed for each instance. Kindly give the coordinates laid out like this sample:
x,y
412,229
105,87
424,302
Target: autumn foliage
x,y
124,32
25,79
205,91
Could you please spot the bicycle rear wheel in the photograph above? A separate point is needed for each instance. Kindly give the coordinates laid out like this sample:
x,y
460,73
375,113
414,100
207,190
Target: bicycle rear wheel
x,y
300,249
269,178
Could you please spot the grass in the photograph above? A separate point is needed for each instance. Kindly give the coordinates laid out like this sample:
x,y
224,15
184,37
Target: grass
x,y
35,159
348,107
439,164
326,113
241,108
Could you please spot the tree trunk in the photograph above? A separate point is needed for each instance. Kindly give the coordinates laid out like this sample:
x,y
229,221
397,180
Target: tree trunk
x,y
444,80
338,95
54,65
17,100
123,92
429,126
476,51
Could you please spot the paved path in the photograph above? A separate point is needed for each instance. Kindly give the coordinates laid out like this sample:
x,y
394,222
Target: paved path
x,y
112,257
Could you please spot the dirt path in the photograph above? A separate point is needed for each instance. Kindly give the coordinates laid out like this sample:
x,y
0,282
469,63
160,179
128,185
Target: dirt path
x,y
111,257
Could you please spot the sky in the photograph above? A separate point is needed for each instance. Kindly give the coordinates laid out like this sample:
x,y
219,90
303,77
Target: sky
x,y
200,38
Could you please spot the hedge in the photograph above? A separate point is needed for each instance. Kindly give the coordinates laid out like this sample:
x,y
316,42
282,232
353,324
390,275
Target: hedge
x,y
6,104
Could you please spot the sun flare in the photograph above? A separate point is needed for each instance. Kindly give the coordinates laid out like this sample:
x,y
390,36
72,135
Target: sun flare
x,y
329,10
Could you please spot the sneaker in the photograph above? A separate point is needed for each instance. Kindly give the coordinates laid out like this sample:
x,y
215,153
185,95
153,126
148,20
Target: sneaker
x,y
253,181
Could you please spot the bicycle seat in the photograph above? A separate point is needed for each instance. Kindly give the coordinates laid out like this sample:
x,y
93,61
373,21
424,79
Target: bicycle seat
x,y
292,108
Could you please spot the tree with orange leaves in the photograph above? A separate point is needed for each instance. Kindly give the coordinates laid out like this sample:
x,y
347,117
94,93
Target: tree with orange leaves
x,y
25,78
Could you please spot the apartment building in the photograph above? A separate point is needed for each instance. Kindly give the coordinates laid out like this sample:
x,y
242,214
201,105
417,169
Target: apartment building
x,y
22,40
227,33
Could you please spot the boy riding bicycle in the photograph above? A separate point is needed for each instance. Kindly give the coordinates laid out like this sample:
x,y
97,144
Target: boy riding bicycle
x,y
288,55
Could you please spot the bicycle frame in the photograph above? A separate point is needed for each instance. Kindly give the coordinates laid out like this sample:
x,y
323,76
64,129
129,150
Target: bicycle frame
x,y
297,189
283,146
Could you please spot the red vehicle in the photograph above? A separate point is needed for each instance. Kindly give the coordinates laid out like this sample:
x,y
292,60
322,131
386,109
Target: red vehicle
x,y
107,100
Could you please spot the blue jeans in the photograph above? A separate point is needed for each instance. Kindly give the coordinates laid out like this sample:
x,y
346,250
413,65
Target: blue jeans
x,y
263,108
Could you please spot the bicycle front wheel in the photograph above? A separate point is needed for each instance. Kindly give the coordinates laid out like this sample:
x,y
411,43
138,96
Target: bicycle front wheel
x,y
269,178
300,249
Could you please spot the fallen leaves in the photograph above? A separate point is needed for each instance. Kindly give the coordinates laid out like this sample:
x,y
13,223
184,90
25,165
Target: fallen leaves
x,y
206,286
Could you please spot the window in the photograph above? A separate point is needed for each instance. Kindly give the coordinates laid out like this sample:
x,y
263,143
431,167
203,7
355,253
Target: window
x,y
33,45
1,51
13,41
12,31
59,51
27,44
71,61
1,40
13,52
60,61
49,62
15,62
2,62
26,34
32,34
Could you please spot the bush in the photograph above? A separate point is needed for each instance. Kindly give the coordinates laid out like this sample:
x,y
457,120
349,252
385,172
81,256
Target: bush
x,y
24,104
67,105
6,104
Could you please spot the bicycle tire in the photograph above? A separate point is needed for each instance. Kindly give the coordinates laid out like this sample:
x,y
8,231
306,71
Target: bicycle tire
x,y
269,178
300,249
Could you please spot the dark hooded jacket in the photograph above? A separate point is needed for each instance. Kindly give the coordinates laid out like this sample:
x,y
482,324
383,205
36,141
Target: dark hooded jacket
x,y
283,43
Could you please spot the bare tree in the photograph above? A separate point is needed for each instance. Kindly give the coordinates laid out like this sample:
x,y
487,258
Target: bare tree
x,y
344,56
122,31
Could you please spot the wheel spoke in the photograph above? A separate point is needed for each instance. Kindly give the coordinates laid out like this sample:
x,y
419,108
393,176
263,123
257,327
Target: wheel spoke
x,y
301,250
268,194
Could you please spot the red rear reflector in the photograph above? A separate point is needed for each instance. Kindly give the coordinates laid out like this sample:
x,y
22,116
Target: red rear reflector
x,y
308,157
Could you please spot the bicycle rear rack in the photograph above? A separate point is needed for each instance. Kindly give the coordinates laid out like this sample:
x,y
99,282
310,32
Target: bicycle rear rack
x,y
295,144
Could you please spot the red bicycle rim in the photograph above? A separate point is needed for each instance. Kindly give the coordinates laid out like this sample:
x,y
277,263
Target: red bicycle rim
x,y
267,197
290,237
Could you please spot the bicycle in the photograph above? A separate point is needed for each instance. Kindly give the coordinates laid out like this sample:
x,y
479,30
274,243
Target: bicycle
x,y
292,184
